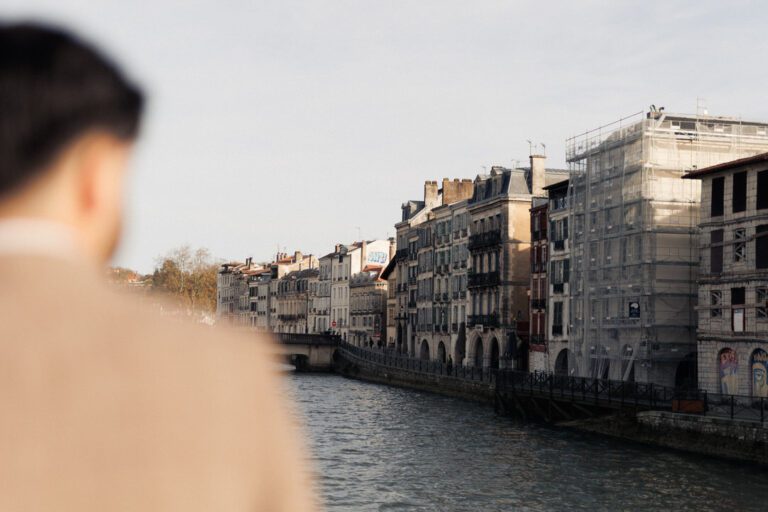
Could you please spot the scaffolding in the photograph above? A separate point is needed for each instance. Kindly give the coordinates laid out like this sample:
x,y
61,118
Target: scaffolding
x,y
634,224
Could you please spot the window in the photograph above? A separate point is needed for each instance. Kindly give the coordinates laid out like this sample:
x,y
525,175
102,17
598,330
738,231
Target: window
x,y
761,301
739,245
716,251
762,190
716,300
717,197
557,319
761,246
739,192
737,314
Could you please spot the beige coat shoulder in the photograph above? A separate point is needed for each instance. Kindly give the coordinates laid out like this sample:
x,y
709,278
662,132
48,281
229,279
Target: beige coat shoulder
x,y
108,406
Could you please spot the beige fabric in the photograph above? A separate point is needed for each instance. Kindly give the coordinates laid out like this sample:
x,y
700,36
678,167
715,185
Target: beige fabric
x,y
105,406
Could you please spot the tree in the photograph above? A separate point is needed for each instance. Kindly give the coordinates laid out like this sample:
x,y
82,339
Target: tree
x,y
189,277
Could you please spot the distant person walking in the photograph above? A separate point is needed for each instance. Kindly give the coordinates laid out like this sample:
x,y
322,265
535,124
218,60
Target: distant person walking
x,y
105,406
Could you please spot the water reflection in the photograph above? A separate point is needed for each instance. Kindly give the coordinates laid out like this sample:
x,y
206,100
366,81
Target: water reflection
x,y
382,448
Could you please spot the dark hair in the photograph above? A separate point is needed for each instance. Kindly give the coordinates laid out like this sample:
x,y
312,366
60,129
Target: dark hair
x,y
53,88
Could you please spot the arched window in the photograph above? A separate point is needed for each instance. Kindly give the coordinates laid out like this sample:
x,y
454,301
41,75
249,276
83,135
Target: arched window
x,y
728,369
759,371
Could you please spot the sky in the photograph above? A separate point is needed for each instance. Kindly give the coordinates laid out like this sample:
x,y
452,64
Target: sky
x,y
298,125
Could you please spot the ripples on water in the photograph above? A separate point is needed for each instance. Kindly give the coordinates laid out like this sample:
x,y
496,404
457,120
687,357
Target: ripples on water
x,y
382,448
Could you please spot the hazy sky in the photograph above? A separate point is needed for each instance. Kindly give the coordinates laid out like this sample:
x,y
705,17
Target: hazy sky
x,y
296,123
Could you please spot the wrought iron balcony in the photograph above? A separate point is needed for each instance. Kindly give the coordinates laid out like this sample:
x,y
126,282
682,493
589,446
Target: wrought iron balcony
x,y
491,320
539,304
487,239
483,280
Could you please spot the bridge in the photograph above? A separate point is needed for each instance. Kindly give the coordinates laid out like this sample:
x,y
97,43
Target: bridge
x,y
309,352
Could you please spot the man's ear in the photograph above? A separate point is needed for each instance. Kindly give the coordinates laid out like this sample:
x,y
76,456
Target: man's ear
x,y
100,158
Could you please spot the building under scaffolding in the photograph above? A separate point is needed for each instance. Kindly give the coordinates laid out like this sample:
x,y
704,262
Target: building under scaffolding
x,y
635,246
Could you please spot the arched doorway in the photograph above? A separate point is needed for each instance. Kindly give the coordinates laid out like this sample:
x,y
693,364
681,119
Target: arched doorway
x,y
494,362
521,356
687,373
728,368
424,350
441,352
561,363
599,362
628,364
759,364
478,355
459,350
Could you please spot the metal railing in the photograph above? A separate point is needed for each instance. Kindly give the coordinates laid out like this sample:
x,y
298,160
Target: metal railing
x,y
735,407
391,359
487,239
600,392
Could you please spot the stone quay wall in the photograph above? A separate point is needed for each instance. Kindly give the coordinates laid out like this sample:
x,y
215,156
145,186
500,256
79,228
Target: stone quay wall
x,y
476,391
704,435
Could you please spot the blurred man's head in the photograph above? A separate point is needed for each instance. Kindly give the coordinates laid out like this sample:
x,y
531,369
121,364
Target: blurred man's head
x,y
68,118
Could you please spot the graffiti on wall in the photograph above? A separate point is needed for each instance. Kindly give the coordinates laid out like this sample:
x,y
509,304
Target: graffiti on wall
x,y
760,373
729,370
377,258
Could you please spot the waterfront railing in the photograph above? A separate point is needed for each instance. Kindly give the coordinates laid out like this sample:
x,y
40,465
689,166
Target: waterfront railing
x,y
600,392
392,359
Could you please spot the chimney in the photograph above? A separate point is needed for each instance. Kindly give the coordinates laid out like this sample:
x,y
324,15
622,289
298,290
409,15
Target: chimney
x,y
392,247
455,190
298,257
538,175
430,194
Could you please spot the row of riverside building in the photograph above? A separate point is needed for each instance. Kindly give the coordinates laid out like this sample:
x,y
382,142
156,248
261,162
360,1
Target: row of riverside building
x,y
645,260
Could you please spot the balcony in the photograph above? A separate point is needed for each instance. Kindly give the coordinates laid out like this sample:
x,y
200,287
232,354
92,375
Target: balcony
x,y
559,203
412,280
411,303
557,330
558,245
491,320
401,254
538,304
488,239
558,288
486,279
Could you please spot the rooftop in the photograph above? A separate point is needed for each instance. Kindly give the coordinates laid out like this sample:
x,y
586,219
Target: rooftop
x,y
725,166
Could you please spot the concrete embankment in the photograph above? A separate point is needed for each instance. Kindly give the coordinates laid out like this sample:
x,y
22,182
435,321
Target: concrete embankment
x,y
477,391
704,435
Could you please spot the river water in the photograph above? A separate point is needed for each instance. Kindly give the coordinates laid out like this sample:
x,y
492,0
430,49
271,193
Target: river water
x,y
378,448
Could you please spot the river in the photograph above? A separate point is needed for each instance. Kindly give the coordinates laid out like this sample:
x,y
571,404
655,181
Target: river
x,y
378,448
